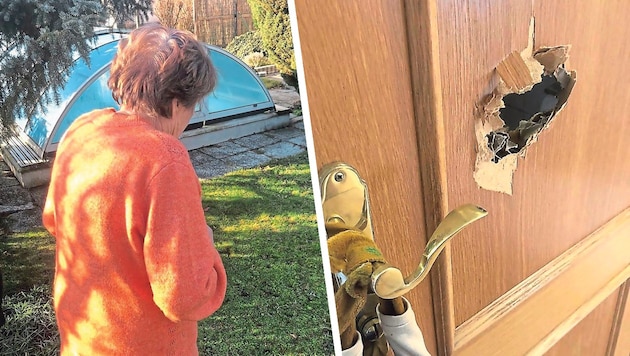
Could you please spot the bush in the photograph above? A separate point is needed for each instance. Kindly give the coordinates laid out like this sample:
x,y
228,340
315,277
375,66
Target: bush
x,y
245,44
255,59
271,18
31,328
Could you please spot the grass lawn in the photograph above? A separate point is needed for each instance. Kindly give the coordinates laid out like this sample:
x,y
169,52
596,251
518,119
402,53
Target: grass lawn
x,y
265,229
271,83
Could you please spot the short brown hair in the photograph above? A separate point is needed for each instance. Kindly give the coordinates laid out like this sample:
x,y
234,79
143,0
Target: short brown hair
x,y
155,65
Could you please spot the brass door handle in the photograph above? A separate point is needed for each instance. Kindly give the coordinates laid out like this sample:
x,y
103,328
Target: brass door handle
x,y
388,282
346,206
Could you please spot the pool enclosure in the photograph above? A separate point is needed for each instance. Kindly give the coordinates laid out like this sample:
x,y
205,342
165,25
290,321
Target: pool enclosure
x,y
240,105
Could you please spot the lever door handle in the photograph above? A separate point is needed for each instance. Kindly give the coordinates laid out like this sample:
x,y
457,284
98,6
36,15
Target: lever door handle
x,y
388,282
346,206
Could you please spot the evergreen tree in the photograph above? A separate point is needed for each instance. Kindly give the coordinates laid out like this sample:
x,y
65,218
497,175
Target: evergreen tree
x,y
271,19
39,41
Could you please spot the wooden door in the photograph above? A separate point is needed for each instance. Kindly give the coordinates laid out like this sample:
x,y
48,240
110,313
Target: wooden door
x,y
392,87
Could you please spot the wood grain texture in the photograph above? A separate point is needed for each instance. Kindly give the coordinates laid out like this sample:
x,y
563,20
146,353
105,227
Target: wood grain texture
x,y
357,75
574,179
543,308
577,317
619,341
424,62
585,339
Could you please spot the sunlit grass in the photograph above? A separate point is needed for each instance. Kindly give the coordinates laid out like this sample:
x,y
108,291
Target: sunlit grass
x,y
276,299
27,259
264,224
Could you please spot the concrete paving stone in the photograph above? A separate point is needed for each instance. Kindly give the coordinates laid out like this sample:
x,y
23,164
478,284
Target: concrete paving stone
x,y
299,125
14,195
218,169
300,141
285,133
247,159
198,158
8,181
39,195
25,220
207,166
256,141
224,149
282,150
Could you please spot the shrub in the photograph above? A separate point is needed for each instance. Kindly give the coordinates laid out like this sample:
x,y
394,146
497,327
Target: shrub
x,y
271,18
255,59
245,44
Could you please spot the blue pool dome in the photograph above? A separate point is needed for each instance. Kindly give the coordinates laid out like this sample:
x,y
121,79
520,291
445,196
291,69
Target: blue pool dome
x,y
238,93
240,105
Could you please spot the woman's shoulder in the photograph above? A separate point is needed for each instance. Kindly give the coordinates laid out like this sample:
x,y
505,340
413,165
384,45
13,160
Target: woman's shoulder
x,y
167,147
89,118
107,131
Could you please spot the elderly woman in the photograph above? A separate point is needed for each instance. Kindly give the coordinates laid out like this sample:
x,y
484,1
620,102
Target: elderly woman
x,y
136,267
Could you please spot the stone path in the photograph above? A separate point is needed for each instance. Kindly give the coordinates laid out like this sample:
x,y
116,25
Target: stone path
x,y
249,151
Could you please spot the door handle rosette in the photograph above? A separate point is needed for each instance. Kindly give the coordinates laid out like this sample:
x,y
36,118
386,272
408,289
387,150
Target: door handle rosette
x,y
346,206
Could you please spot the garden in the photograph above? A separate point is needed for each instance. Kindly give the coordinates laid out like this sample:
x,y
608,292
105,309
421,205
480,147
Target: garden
x,y
266,232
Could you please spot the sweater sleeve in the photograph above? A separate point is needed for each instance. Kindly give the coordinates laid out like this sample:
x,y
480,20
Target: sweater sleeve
x,y
48,214
185,271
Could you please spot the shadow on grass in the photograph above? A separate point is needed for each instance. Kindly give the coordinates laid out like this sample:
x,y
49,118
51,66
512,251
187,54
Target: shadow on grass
x,y
27,259
272,190
265,227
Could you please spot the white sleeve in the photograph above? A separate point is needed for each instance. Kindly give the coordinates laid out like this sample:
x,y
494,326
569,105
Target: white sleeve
x,y
402,333
356,349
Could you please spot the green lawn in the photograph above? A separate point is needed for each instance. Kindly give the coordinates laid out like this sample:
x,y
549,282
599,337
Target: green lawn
x,y
271,83
265,230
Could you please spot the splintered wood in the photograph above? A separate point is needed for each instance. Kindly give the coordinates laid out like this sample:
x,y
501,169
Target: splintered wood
x,y
537,86
514,72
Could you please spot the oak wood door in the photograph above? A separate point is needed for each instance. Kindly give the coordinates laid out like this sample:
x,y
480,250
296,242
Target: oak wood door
x,y
392,87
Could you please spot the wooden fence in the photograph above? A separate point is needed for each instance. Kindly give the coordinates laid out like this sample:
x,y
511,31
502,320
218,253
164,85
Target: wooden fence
x,y
217,22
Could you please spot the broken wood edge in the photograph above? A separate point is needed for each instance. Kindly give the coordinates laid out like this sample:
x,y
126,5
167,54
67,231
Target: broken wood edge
x,y
517,74
521,318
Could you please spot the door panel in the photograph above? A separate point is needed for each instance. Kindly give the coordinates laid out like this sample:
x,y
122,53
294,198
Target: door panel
x,y
564,172
584,339
392,88
619,344
544,307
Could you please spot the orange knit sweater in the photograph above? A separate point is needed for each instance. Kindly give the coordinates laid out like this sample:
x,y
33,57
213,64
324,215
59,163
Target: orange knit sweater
x,y
135,264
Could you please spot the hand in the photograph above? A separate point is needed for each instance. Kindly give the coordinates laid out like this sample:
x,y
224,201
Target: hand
x,y
354,254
